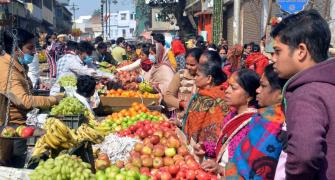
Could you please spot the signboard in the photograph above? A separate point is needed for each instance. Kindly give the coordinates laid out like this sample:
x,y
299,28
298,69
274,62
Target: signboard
x,y
292,6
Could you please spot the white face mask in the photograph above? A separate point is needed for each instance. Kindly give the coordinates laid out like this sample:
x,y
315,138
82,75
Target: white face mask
x,y
152,58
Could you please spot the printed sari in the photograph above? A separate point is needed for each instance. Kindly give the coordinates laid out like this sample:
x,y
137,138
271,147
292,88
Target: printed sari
x,y
204,115
257,155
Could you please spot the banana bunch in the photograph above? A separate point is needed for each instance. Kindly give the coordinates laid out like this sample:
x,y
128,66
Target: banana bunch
x,y
84,132
145,87
57,136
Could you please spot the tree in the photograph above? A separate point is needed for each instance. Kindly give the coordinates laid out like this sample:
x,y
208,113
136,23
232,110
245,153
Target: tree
x,y
96,12
175,8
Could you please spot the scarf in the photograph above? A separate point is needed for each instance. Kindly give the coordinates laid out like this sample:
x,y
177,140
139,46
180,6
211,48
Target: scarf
x,y
257,155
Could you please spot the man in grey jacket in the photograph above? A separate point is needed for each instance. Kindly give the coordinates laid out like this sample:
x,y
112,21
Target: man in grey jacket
x,y
301,43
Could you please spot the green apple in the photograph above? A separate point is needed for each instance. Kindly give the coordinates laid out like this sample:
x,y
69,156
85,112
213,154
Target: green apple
x,y
120,177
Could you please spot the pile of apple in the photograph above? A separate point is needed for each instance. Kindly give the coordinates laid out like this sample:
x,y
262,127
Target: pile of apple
x,y
146,128
21,131
161,155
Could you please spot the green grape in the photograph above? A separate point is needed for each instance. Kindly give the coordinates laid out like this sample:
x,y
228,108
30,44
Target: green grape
x,y
68,81
68,106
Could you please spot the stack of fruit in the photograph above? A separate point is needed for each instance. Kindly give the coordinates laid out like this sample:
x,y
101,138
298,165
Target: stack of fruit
x,y
58,136
106,67
145,87
68,81
63,167
126,77
127,117
68,106
113,172
21,131
124,93
162,155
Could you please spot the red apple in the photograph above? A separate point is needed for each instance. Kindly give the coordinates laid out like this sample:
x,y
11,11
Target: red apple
x,y
143,134
173,142
158,151
168,161
146,150
119,164
163,141
146,141
147,162
167,134
189,157
158,162
104,157
144,156
136,162
203,176
170,152
101,164
178,157
192,164
134,154
159,133
138,147
154,172
182,150
154,139
144,170
165,176
181,175
190,174
173,169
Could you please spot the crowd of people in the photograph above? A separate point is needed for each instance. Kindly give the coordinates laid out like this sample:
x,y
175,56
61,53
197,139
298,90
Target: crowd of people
x,y
249,111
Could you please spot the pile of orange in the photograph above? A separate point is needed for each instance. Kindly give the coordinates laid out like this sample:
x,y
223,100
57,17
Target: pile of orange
x,y
136,108
123,93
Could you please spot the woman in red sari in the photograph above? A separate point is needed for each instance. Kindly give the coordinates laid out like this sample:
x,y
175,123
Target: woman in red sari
x,y
207,107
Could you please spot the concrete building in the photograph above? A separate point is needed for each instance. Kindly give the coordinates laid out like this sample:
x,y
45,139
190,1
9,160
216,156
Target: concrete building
x,y
122,24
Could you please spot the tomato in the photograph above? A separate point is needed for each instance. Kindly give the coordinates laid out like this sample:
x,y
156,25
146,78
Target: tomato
x,y
203,176
132,128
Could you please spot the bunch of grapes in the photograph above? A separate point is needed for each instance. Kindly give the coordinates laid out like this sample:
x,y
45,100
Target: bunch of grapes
x,y
68,81
68,106
63,167
210,147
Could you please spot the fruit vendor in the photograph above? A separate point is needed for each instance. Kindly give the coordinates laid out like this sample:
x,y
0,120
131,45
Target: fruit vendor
x,y
74,62
16,80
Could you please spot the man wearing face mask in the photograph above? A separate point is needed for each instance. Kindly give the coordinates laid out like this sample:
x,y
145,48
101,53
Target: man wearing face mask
x,y
19,87
19,84
74,62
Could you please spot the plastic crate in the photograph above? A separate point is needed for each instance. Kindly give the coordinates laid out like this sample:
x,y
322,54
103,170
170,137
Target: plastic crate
x,y
39,92
73,121
31,141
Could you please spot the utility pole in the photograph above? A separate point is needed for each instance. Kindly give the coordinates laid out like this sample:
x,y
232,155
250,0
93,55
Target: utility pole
x,y
109,18
106,18
74,8
236,22
102,17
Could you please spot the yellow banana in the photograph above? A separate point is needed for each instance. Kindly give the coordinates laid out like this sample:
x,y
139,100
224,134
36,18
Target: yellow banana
x,y
57,133
62,127
66,145
52,141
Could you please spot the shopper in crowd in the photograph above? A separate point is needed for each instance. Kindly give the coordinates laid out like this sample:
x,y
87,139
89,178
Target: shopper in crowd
x,y
223,50
182,86
179,51
163,54
301,43
119,52
19,85
206,108
161,73
261,144
101,54
74,62
212,47
52,55
256,61
223,42
234,56
131,52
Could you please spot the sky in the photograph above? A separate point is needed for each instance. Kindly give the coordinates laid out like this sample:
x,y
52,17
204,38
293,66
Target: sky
x,y
86,7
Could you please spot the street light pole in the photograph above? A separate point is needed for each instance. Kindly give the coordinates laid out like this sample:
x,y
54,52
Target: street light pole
x,y
236,22
74,8
102,17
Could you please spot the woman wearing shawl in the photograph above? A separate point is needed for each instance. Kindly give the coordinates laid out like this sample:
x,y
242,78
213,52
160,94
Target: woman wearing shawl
x,y
179,51
257,154
234,56
161,72
206,108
